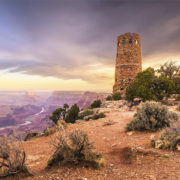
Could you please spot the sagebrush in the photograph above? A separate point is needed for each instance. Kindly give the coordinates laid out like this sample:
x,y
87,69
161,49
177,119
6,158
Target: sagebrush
x,y
178,108
170,139
12,157
86,112
74,148
152,116
98,116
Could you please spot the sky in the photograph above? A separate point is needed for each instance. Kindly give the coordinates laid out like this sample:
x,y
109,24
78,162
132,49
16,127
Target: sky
x,y
71,44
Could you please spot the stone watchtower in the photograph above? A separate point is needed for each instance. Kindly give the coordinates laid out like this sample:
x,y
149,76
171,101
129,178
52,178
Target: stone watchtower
x,y
128,61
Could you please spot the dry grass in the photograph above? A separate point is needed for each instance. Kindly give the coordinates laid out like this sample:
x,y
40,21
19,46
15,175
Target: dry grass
x,y
74,148
12,157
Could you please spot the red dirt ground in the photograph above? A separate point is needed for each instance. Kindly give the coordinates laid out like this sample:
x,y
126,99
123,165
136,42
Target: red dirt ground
x,y
114,143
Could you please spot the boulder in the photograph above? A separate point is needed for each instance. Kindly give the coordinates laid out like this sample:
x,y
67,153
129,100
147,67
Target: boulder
x,y
86,118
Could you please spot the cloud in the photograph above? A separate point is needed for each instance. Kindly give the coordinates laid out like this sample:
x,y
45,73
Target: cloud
x,y
65,39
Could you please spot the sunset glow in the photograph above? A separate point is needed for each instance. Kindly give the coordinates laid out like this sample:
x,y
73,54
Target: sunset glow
x,y
71,45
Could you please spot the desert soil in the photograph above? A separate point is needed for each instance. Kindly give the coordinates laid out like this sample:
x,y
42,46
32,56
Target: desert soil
x,y
113,142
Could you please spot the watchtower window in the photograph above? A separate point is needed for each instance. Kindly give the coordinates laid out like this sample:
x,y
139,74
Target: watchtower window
x,y
136,42
123,41
130,41
121,89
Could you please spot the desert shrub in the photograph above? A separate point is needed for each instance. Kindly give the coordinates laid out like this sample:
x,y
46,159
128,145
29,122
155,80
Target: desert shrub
x,y
86,112
96,104
178,98
116,96
50,130
151,116
98,116
74,148
178,108
148,86
61,122
109,98
59,113
168,102
72,114
141,86
170,139
12,157
30,135
56,115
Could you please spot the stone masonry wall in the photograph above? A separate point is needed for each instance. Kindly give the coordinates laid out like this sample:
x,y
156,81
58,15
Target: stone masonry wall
x,y
128,61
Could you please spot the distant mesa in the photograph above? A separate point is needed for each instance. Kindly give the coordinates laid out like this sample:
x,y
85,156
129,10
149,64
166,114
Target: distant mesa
x,y
128,61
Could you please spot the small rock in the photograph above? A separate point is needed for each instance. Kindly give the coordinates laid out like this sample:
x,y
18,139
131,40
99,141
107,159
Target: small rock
x,y
111,165
158,144
113,145
79,121
86,118
130,133
152,137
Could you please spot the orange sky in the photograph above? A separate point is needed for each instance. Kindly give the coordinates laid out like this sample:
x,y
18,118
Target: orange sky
x,y
68,45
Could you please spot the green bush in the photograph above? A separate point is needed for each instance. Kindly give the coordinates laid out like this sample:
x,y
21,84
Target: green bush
x,y
98,116
59,113
96,104
56,115
86,112
151,116
116,96
74,148
72,114
109,98
148,86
